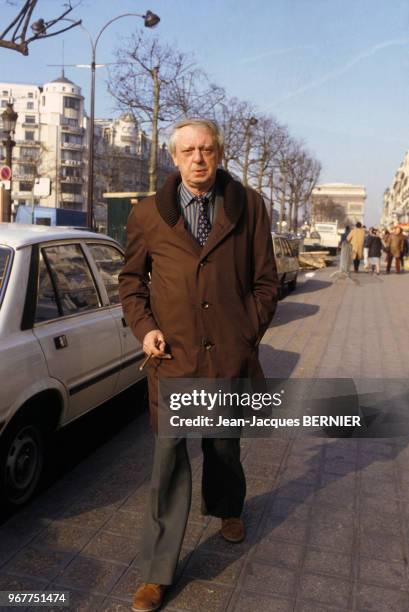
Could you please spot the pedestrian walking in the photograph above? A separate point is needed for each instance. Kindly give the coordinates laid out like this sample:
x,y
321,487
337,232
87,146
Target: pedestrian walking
x,y
366,245
374,251
356,238
405,251
205,241
395,244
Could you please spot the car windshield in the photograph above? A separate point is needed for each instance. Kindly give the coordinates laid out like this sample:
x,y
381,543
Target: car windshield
x,y
5,259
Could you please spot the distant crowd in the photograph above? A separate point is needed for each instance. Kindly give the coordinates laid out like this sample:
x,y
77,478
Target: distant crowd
x,y
369,245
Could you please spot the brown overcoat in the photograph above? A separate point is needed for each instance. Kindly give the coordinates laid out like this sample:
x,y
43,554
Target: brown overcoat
x,y
212,303
396,243
357,238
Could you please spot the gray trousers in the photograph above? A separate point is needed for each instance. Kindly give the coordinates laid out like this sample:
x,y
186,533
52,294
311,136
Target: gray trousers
x,y
223,493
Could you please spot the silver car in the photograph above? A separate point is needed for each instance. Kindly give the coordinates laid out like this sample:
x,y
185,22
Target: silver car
x,y
65,347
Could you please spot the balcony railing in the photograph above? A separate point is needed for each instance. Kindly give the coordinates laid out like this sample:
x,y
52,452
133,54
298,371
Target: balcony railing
x,y
72,145
72,197
71,179
71,162
28,143
72,129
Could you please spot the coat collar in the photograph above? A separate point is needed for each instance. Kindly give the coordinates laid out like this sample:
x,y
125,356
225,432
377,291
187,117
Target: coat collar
x,y
234,197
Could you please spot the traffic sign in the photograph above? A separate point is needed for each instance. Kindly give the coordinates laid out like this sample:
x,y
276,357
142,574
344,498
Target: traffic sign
x,y
5,173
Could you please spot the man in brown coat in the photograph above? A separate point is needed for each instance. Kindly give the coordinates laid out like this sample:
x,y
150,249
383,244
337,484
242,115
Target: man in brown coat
x,y
357,238
205,240
395,247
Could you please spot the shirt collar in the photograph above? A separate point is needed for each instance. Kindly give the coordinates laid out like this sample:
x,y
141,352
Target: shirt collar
x,y
187,197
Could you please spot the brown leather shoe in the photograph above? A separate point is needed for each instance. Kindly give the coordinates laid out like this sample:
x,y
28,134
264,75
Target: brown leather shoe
x,y
148,597
233,529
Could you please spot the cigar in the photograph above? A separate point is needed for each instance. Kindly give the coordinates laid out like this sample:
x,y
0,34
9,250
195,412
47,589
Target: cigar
x,y
145,361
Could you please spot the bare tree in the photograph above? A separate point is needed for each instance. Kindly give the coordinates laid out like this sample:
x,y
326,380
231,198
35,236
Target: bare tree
x,y
193,94
17,36
269,140
298,174
158,85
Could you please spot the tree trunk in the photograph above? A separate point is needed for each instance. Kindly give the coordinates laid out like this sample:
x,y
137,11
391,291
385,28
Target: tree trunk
x,y
153,158
260,179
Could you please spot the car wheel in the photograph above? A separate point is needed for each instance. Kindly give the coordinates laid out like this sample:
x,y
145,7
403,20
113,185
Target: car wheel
x,y
292,284
21,462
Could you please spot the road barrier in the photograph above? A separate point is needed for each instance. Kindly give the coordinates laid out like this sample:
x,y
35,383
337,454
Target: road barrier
x,y
345,261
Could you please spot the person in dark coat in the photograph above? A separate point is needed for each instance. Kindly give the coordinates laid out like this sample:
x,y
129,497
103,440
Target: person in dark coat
x,y
374,251
345,233
205,240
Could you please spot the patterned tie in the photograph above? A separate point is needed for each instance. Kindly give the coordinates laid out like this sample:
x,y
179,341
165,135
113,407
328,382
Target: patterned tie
x,y
203,224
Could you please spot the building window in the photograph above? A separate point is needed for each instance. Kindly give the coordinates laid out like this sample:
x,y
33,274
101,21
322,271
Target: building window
x,y
4,103
26,170
74,155
30,119
74,188
69,171
72,138
30,105
29,135
71,122
30,94
28,153
71,103
43,100
4,92
26,185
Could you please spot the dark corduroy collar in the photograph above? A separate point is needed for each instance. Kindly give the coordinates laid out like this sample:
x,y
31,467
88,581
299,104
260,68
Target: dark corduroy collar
x,y
234,197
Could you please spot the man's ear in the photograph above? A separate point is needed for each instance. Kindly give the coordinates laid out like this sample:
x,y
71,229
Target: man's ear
x,y
174,160
220,156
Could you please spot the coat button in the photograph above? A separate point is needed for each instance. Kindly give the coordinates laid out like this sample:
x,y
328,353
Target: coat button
x,y
208,346
205,305
203,263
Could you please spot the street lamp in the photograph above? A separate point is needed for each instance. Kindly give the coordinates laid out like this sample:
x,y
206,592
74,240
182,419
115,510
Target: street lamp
x,y
9,117
251,122
150,21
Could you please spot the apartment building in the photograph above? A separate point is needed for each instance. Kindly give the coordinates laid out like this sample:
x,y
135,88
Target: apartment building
x,y
396,197
50,141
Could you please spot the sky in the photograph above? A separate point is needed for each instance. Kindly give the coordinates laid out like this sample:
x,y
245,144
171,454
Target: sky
x,y
335,72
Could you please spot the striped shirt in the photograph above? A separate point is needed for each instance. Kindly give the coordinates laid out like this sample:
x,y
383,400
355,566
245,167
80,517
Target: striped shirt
x,y
190,209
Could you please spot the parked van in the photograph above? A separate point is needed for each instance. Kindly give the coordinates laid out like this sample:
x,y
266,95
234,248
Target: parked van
x,y
329,236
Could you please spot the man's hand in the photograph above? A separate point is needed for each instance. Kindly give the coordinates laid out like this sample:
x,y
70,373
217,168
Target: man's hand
x,y
154,344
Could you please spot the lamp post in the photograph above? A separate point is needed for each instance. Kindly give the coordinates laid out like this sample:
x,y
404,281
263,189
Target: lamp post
x,y
150,21
9,117
251,122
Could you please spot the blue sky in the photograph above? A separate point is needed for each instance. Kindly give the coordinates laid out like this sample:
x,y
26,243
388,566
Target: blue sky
x,y
334,71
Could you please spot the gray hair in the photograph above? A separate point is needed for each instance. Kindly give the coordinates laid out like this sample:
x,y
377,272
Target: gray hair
x,y
209,125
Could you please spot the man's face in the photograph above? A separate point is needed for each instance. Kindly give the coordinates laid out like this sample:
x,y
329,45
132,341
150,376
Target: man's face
x,y
197,157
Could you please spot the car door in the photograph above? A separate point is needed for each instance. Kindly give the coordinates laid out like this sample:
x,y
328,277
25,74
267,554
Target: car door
x,y
109,261
77,333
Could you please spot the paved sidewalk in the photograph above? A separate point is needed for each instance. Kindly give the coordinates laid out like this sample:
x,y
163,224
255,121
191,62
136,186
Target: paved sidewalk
x,y
327,519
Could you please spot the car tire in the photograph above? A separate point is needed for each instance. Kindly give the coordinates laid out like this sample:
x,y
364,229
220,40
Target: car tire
x,y
22,450
292,284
